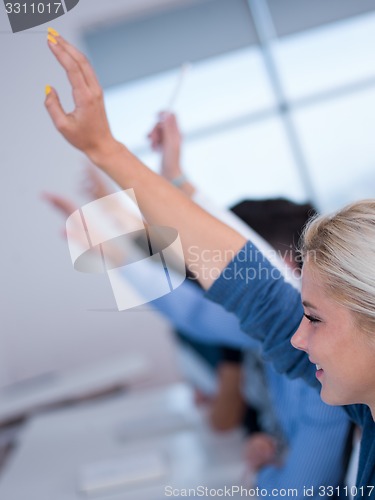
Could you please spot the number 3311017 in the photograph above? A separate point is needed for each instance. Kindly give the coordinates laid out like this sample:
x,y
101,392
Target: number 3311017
x,y
33,8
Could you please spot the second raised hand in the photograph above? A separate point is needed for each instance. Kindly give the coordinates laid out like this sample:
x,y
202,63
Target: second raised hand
x,y
86,127
166,138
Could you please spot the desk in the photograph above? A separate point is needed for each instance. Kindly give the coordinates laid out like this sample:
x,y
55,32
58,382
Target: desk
x,y
22,400
55,447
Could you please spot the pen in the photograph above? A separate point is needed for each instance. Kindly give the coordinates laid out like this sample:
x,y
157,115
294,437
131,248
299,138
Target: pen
x,y
176,90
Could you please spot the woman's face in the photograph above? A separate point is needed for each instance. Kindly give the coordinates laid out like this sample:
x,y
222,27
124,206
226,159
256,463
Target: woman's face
x,y
344,355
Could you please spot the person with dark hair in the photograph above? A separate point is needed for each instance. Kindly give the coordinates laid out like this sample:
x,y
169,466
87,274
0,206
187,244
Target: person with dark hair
x,y
279,221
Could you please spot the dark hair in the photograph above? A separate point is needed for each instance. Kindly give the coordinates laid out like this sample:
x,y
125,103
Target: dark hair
x,y
279,221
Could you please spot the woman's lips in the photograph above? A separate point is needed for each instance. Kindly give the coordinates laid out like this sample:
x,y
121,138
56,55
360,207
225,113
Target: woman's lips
x,y
319,371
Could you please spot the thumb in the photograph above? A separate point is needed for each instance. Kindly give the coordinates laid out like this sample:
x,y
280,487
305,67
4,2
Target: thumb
x,y
54,108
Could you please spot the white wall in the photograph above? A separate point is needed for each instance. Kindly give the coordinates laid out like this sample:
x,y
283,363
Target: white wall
x,y
47,321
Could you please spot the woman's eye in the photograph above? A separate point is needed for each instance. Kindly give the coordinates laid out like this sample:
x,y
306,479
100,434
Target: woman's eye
x,y
312,319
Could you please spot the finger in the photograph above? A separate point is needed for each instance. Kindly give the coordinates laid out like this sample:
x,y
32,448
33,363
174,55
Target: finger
x,y
170,124
156,145
55,110
155,136
84,64
62,204
71,66
173,120
48,197
154,133
166,115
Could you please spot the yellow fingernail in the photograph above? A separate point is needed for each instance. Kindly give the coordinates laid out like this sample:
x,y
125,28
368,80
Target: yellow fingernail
x,y
53,32
48,89
52,39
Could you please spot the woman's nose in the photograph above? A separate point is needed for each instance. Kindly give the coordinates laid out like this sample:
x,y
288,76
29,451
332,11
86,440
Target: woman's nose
x,y
299,339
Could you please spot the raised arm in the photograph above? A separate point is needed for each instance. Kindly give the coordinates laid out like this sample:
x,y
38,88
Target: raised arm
x,y
166,137
87,128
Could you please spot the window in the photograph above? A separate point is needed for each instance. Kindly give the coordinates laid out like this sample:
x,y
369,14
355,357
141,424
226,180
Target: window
x,y
275,103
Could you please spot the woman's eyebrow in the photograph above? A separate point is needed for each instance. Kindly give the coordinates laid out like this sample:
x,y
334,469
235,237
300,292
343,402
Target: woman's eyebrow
x,y
308,304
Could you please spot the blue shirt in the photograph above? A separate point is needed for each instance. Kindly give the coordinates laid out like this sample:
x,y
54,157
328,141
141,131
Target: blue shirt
x,y
270,310
315,432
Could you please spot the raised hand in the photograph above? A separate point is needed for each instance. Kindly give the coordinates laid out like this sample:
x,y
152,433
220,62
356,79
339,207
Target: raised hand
x,y
166,138
114,253
86,127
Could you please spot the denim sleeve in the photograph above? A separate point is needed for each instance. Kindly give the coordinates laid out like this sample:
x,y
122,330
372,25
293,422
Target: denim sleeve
x,y
269,309
202,320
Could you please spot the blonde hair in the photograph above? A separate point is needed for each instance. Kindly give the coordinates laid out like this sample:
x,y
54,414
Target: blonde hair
x,y
341,247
